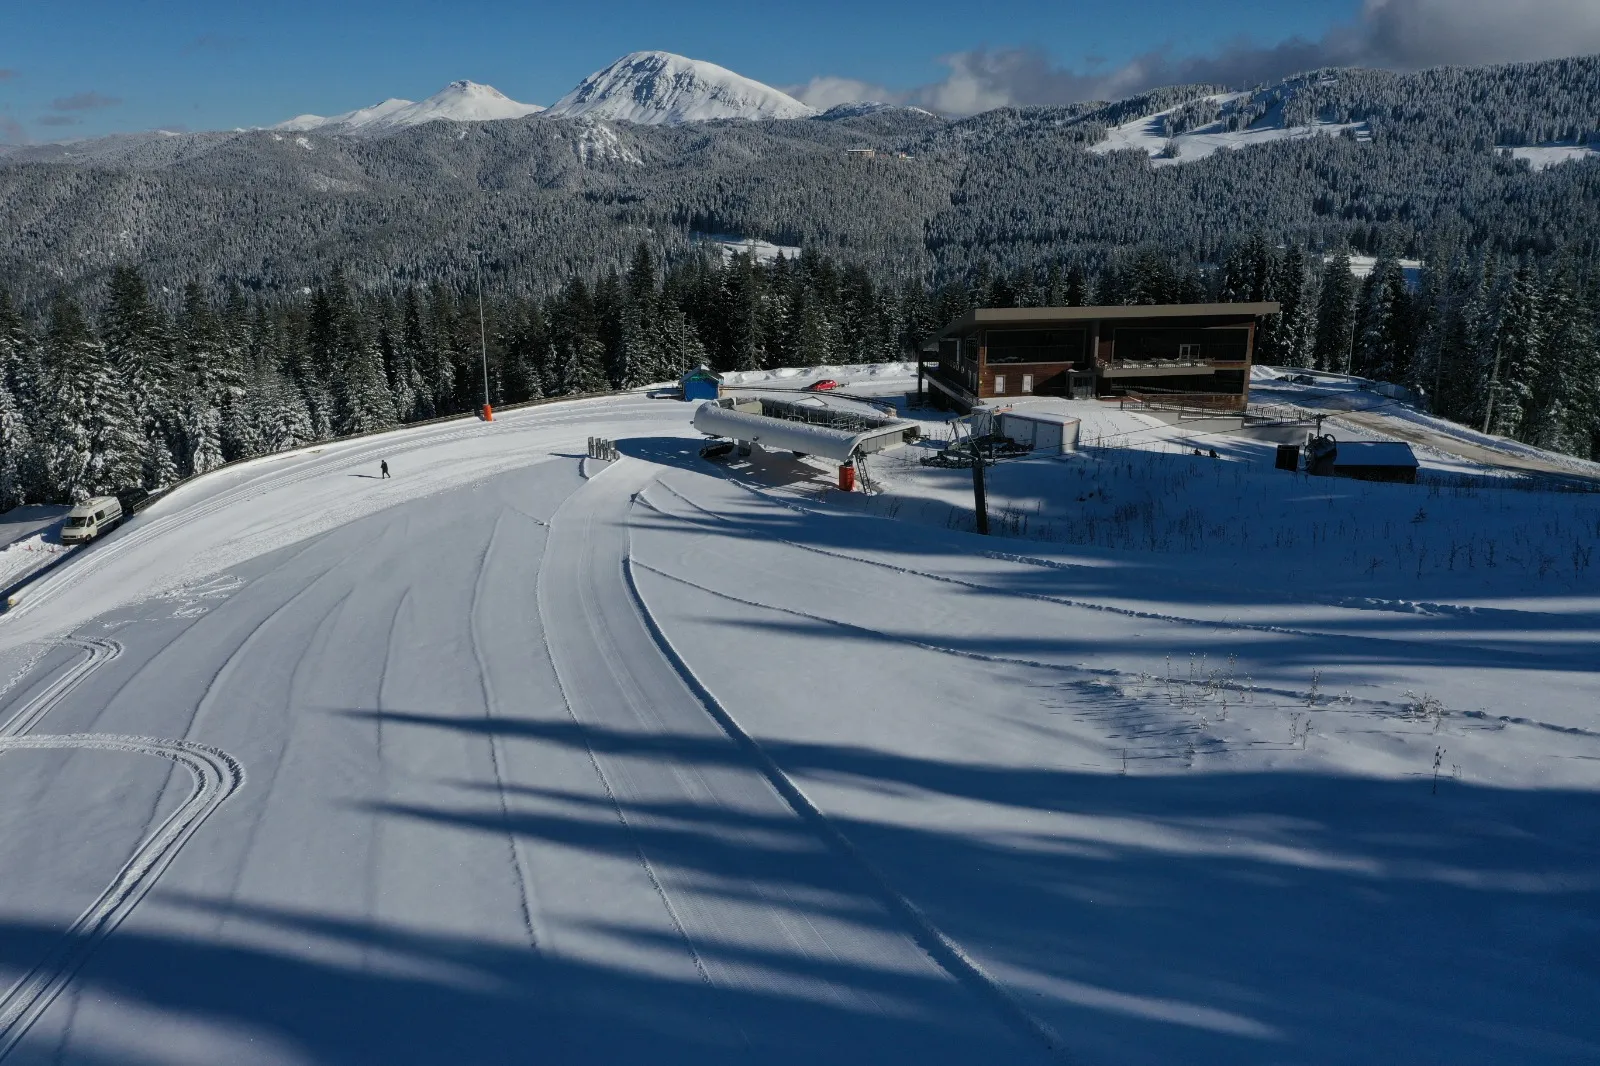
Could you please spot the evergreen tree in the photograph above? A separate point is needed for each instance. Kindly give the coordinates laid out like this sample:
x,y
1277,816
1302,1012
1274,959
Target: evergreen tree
x,y
139,347
16,452
1335,329
742,292
578,358
639,359
91,444
1557,394
1294,338
1519,343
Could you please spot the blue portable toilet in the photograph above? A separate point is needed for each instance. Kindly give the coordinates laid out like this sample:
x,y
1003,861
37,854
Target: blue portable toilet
x,y
701,384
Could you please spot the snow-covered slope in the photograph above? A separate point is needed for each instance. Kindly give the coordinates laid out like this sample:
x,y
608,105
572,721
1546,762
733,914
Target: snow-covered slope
x,y
659,88
1225,120
667,761
869,107
460,101
1545,156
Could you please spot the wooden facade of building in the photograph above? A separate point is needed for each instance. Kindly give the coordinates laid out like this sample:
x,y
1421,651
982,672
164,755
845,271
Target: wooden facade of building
x,y
1196,354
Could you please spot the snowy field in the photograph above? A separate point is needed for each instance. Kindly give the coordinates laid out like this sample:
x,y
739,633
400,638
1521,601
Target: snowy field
x,y
1148,134
518,756
1545,156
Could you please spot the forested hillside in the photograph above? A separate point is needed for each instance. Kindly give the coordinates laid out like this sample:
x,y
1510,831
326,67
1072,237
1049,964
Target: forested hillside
x,y
127,398
545,198
171,302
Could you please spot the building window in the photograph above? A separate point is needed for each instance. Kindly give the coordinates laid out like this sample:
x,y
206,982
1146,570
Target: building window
x,y
999,384
1179,344
1034,345
1027,383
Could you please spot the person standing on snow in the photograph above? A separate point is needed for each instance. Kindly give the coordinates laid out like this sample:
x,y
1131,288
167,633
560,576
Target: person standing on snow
x,y
383,465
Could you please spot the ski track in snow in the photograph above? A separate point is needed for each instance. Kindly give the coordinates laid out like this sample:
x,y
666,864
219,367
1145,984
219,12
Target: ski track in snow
x,y
678,788
589,546
215,774
943,950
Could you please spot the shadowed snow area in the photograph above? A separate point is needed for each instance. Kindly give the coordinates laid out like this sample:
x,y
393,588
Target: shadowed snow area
x,y
554,760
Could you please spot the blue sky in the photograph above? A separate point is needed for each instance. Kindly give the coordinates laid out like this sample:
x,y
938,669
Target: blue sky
x,y
71,68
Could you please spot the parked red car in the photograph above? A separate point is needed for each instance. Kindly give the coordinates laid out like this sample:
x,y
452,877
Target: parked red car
x,y
822,386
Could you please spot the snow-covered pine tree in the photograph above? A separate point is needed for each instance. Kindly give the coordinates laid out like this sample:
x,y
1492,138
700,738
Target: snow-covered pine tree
x,y
742,294
1519,339
1295,333
1554,404
397,366
362,401
353,366
73,361
203,431
418,359
676,345
1335,304
638,359
139,346
231,375
284,421
205,379
16,452
579,355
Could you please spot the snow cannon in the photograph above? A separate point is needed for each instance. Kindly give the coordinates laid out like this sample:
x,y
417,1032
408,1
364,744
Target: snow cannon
x,y
1321,453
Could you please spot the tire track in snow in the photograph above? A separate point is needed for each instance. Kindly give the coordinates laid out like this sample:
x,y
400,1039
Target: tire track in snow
x,y
217,775
496,757
949,955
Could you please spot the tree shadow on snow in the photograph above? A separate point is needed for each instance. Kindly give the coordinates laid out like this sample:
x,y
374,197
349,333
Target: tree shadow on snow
x,y
1253,917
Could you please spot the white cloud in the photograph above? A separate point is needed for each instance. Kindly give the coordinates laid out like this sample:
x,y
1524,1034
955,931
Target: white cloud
x,y
1400,34
825,92
1429,32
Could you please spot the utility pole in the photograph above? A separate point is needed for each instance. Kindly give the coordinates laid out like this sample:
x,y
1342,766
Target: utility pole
x,y
980,499
483,340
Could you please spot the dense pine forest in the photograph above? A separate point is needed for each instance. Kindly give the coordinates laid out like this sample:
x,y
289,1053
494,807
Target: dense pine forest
x,y
149,386
1425,154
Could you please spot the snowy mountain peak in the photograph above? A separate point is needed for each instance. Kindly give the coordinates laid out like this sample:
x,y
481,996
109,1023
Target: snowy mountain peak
x,y
460,101
660,88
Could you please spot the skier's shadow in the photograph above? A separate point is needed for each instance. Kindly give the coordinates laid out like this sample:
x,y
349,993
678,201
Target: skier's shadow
x,y
370,477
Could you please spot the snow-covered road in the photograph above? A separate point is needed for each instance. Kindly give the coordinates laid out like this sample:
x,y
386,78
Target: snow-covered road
x,y
543,759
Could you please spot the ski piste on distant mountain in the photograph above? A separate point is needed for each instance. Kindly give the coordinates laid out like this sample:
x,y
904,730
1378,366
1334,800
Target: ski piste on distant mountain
x,y
460,101
662,89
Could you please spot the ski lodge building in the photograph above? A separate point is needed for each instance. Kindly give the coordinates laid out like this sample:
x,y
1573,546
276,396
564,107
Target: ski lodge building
x,y
1198,355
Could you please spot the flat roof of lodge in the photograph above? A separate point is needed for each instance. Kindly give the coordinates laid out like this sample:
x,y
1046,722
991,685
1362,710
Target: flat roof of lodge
x,y
1374,453
1027,316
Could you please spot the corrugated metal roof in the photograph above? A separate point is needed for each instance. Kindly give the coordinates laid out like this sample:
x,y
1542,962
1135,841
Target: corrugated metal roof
x,y
714,420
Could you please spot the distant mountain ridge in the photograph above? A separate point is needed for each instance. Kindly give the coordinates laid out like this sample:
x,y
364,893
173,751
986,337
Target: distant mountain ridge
x,y
460,101
1365,159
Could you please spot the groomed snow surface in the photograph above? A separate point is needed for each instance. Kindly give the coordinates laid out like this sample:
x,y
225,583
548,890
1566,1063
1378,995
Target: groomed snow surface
x,y
1148,134
521,757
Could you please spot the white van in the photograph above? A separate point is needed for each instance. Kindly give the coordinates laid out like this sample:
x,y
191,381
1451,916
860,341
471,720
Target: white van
x,y
90,519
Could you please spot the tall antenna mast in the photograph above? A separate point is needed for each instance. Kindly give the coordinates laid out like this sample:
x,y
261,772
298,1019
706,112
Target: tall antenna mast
x,y
483,340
